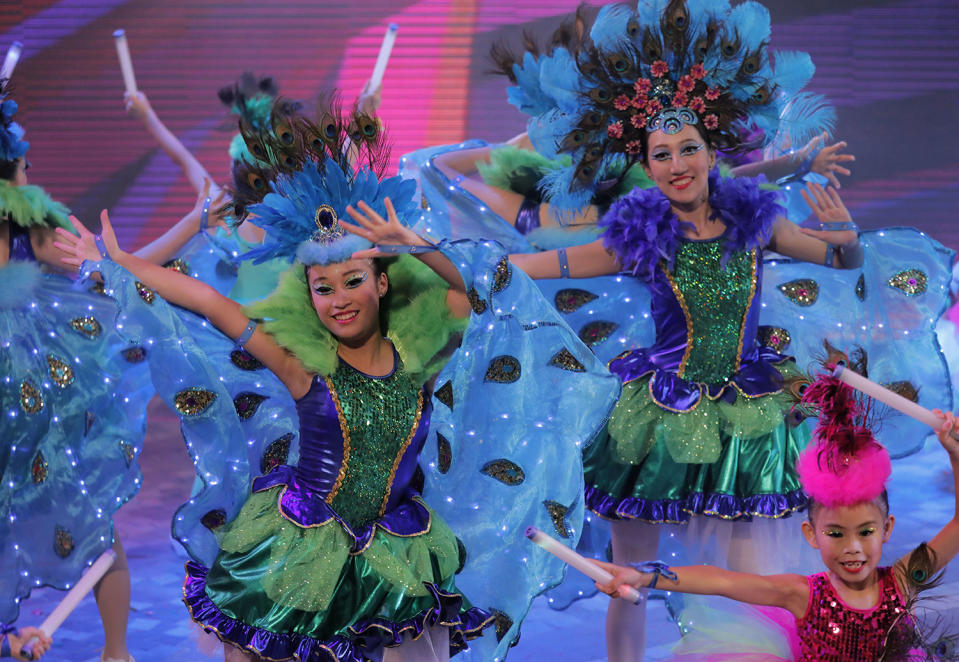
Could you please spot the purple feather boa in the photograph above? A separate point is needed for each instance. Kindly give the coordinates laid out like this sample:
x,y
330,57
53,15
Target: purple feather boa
x,y
642,229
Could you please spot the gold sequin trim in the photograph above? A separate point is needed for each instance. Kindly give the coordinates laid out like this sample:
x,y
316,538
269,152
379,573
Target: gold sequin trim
x,y
749,305
345,431
402,452
689,320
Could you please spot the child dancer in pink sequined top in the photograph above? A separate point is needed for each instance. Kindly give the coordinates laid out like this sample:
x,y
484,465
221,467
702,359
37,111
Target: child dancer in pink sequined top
x,y
854,610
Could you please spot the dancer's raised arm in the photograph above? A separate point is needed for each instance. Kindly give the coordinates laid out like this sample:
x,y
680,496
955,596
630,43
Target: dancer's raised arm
x,y
224,313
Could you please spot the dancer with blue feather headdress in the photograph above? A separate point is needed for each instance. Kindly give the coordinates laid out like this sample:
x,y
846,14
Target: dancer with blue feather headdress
x,y
338,557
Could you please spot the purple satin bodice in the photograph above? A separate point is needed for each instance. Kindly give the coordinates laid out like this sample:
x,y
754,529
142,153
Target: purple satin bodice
x,y
310,484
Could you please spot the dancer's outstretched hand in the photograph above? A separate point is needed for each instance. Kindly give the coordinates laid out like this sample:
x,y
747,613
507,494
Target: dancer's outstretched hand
x,y
826,162
829,209
374,228
83,246
217,211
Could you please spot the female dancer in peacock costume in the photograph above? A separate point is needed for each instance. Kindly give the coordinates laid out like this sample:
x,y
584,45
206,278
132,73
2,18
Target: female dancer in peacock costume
x,y
73,396
699,435
337,556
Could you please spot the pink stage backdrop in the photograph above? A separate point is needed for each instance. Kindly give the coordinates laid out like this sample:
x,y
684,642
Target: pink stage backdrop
x,y
892,69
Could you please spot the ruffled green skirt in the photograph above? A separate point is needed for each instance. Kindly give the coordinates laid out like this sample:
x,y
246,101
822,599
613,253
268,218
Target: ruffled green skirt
x,y
729,460
287,591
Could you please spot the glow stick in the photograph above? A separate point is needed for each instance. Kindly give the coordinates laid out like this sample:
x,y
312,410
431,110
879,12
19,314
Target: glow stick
x,y
73,597
576,560
126,64
10,62
385,49
884,395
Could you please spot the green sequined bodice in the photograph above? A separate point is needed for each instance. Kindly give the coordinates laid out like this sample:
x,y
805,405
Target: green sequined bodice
x,y
715,300
379,416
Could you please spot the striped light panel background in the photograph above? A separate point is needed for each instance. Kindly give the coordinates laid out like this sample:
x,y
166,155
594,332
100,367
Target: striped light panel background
x,y
891,68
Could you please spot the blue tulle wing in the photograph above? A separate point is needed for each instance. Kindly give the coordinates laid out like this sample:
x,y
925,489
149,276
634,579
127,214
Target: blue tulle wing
x,y
889,308
73,397
237,418
512,411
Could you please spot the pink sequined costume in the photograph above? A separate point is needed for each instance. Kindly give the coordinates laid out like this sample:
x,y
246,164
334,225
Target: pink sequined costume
x,y
829,631
832,631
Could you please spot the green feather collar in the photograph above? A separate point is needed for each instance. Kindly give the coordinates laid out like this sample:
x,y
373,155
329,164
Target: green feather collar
x,y
419,322
29,206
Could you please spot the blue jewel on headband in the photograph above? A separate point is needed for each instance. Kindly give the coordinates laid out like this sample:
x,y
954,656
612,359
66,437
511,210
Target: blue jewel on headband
x,y
672,120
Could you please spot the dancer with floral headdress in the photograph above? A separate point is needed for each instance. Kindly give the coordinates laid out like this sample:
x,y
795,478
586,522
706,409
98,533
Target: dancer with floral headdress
x,y
856,609
699,433
338,557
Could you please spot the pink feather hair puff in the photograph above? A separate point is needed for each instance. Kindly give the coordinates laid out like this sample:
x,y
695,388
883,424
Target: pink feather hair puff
x,y
846,465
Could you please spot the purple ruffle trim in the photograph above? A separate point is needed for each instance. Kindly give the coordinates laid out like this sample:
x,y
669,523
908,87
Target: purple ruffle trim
x,y
367,636
641,228
723,506
304,506
757,376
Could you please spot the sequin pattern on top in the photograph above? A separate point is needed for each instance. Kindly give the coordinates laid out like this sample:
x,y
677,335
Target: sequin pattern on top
x,y
379,417
709,290
830,631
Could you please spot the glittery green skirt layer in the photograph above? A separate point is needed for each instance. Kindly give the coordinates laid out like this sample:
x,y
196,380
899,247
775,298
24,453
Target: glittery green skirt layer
x,y
286,591
729,460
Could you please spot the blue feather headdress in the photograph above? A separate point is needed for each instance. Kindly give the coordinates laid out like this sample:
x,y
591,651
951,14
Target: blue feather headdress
x,y
311,180
660,66
301,214
12,144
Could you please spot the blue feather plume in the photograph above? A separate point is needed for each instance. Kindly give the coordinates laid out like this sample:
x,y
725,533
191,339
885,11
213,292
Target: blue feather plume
x,y
288,213
609,29
793,70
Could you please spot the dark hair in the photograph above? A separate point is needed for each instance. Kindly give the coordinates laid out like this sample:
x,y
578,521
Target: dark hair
x,y
8,170
882,501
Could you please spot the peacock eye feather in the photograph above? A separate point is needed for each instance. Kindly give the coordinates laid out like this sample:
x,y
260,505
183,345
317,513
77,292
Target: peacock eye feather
x,y
600,95
761,96
652,50
751,64
255,181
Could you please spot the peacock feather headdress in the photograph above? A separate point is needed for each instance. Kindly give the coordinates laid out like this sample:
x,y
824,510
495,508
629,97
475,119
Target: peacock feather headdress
x,y
12,144
315,168
660,66
251,98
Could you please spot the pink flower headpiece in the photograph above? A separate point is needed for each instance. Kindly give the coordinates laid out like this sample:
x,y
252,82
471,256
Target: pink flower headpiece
x,y
659,103
845,465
